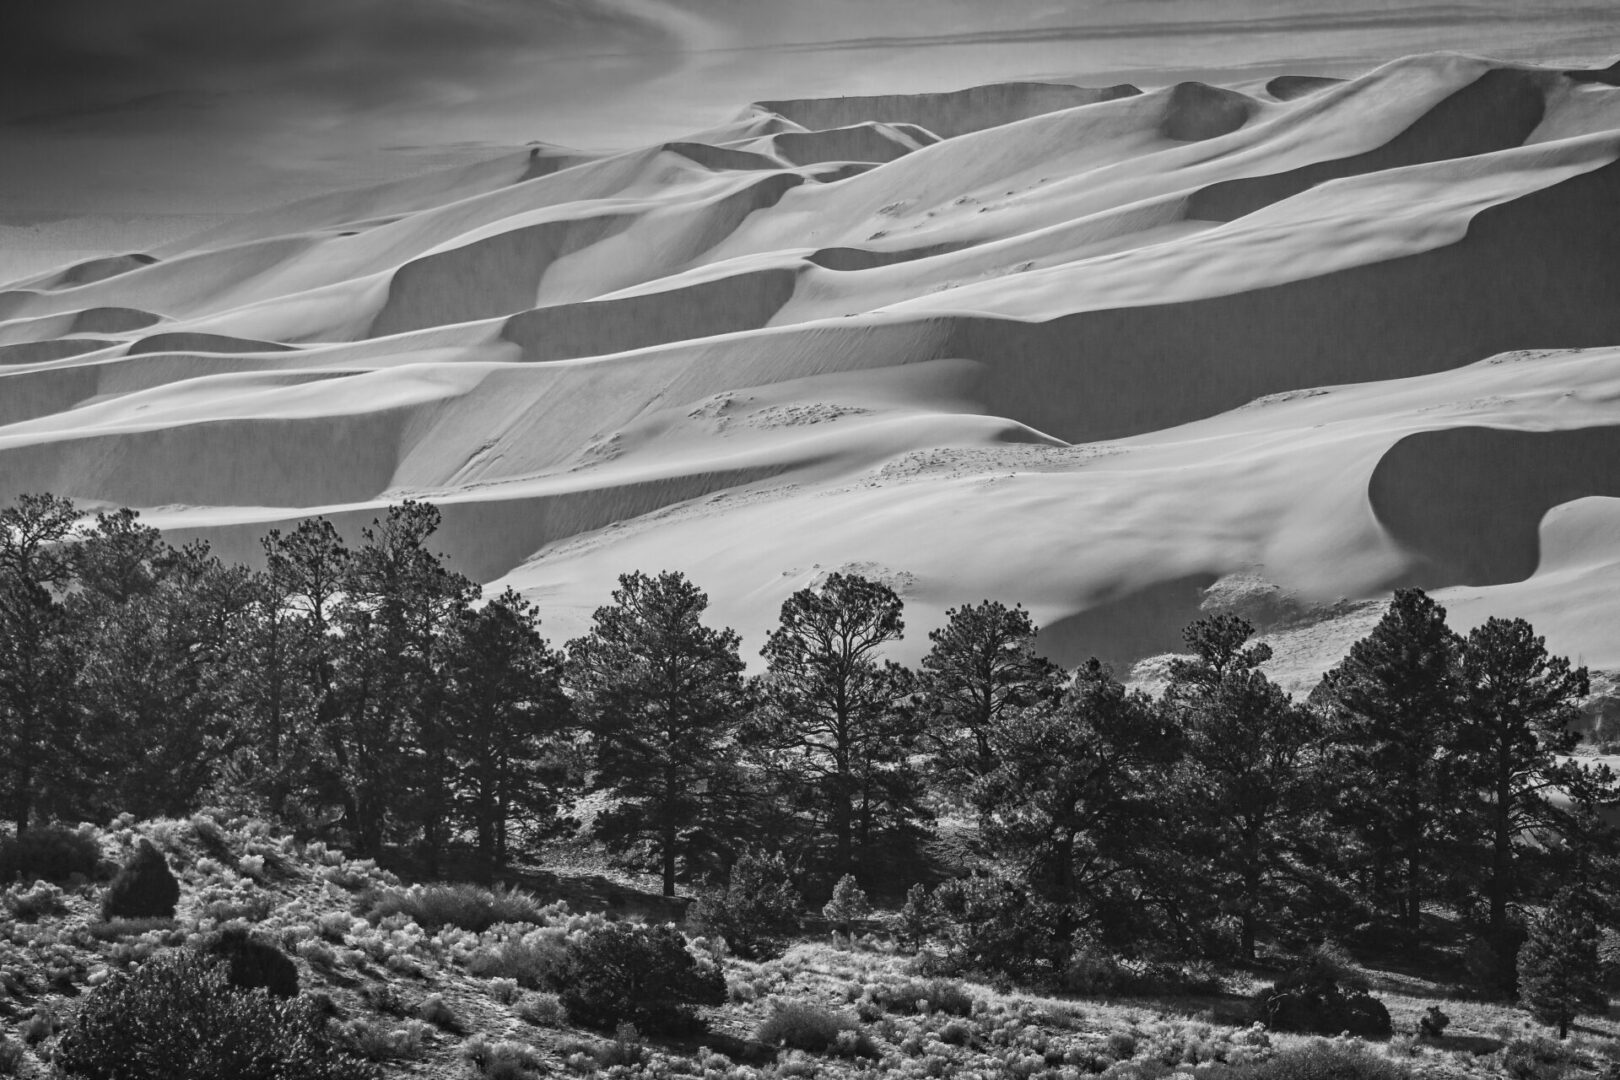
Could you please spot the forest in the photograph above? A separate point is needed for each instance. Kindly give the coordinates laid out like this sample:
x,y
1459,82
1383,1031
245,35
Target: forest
x,y
1033,817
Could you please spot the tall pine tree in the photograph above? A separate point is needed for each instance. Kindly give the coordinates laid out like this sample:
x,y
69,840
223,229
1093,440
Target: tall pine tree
x,y
662,695
1394,704
835,726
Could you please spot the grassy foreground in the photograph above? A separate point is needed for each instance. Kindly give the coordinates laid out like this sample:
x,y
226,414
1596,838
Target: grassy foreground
x,y
458,997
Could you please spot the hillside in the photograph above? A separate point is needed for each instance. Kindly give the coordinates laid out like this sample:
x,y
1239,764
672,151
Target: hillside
x,y
423,1002
1118,354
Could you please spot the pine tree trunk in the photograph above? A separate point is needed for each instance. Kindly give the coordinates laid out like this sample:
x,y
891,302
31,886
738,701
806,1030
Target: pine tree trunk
x,y
669,858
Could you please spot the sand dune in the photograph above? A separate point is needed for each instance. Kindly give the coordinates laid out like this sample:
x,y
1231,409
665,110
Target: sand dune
x,y
1122,355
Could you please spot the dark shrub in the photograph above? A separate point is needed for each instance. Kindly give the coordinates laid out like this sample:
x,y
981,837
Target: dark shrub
x,y
50,853
253,963
755,910
993,927
178,1018
1325,998
625,973
144,889
800,1025
467,906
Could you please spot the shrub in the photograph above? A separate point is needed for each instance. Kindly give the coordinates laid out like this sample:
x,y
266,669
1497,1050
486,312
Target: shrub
x,y
384,998
11,1057
799,1025
1321,999
27,903
144,888
334,926
848,906
995,927
382,1042
437,1012
48,853
178,1018
253,910
113,929
622,973
466,906
1316,1060
755,910
531,966
541,1010
502,1060
934,996
1538,1058
252,962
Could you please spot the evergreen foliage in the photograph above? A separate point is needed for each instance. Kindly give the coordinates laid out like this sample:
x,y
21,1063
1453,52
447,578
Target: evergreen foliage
x,y
834,731
758,907
662,695
253,963
1560,977
145,887
48,853
639,975
178,1018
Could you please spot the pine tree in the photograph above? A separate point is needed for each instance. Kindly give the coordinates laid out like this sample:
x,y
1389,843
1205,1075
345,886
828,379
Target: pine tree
x,y
835,727
37,736
510,724
393,747
1520,706
1074,809
1393,708
1559,975
1246,779
982,666
662,696
151,627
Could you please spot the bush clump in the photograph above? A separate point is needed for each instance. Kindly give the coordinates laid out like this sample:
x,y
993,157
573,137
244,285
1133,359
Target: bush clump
x,y
755,911
1318,1060
799,1025
623,973
469,907
253,963
48,853
533,966
934,996
144,889
1326,998
178,1018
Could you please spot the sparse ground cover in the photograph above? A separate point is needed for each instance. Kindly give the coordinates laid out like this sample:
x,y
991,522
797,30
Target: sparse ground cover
x,y
482,999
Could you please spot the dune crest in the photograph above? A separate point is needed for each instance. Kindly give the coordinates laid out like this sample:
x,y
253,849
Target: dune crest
x,y
1125,356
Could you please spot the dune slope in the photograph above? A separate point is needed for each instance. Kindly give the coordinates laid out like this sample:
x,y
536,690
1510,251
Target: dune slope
x,y
1122,355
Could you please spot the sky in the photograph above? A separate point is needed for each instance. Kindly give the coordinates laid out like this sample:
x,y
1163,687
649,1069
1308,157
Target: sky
x,y
126,122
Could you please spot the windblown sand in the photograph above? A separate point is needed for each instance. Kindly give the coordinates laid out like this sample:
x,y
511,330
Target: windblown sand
x,y
1121,356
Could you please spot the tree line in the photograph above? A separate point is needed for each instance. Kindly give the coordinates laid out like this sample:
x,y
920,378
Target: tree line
x,y
367,693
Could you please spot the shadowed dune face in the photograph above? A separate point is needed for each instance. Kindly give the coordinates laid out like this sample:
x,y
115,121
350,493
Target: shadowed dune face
x,y
1497,111
189,342
1289,87
1125,357
1470,501
1541,271
1196,112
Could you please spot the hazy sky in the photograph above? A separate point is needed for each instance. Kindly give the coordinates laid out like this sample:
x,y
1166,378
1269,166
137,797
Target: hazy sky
x,y
138,111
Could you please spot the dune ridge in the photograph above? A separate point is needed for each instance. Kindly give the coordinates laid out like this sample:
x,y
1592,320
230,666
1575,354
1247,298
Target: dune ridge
x,y
1122,354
